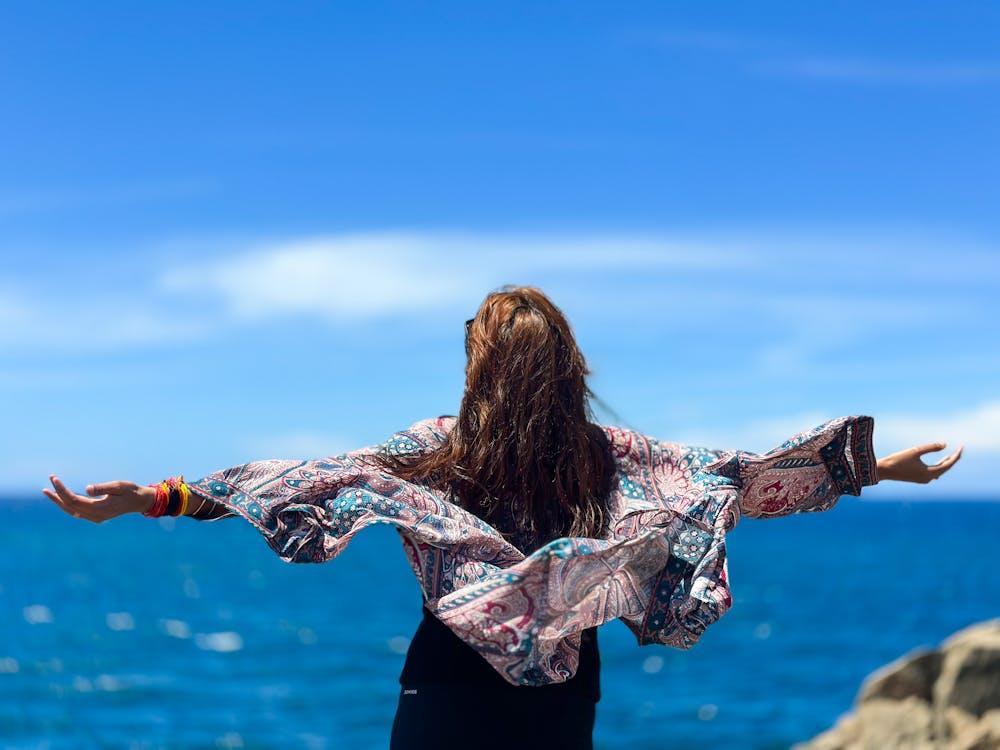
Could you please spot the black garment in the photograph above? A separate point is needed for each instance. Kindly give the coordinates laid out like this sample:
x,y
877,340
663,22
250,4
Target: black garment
x,y
450,717
450,697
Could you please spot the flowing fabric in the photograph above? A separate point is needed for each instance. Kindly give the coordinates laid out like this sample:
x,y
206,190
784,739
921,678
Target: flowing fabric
x,y
661,568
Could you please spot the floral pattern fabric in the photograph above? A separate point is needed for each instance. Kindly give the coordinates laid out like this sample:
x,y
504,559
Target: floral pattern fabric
x,y
661,568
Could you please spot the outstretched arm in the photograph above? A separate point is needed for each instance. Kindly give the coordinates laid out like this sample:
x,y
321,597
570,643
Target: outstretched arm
x,y
814,468
112,499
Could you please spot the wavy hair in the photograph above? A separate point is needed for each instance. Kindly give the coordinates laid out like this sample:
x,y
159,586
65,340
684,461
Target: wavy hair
x,y
524,454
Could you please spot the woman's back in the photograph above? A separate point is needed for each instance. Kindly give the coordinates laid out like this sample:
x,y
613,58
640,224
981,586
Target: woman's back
x,y
524,456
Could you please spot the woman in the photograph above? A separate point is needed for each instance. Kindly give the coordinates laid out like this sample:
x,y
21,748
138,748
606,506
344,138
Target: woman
x,y
528,525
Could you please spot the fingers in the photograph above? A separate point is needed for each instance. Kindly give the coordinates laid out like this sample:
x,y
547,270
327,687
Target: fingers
x,y
54,497
108,488
64,493
75,505
928,448
942,466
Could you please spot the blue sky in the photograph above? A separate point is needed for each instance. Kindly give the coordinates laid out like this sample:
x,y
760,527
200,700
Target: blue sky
x,y
254,230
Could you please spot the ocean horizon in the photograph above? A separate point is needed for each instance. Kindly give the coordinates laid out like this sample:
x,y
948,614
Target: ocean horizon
x,y
173,633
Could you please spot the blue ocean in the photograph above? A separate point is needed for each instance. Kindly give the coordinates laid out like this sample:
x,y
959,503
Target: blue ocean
x,y
171,633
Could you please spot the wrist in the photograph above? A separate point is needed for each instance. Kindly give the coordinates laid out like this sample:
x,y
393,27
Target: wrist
x,y
146,496
884,467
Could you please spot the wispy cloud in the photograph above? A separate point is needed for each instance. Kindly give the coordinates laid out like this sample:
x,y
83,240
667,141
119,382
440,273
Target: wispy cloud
x,y
339,278
112,320
776,57
757,435
30,200
765,278
346,277
299,444
707,41
976,427
885,71
768,284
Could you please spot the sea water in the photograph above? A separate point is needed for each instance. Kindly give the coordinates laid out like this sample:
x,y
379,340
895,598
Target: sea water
x,y
174,633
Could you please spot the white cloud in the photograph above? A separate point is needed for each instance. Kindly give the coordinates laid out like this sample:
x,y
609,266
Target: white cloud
x,y
364,275
706,41
351,276
977,427
758,435
780,57
58,318
300,444
27,200
884,71
892,280
343,278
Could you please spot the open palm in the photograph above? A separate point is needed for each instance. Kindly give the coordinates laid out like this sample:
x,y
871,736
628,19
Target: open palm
x,y
907,466
102,502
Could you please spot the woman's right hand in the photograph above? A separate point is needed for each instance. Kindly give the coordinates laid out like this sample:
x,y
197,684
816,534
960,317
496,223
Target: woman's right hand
x,y
906,466
106,501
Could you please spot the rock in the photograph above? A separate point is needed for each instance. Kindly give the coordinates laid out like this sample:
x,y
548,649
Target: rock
x,y
880,724
983,735
942,699
970,671
889,724
956,721
913,674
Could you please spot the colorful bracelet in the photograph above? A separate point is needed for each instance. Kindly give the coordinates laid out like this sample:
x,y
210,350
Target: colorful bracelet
x,y
174,485
173,501
172,497
159,506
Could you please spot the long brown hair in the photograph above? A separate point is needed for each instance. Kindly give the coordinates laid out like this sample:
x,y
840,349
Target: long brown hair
x,y
524,454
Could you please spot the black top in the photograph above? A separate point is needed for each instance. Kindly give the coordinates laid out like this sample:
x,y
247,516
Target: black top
x,y
436,655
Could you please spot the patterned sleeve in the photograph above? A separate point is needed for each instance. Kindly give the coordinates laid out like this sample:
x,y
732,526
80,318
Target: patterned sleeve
x,y
808,472
299,505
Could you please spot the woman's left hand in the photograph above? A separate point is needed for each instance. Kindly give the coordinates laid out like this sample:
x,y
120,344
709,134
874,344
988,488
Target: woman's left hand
x,y
106,501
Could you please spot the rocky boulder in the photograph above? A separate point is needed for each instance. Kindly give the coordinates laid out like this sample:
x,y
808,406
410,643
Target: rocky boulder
x,y
942,699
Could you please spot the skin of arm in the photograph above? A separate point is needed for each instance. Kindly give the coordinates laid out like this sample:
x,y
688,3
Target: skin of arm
x,y
109,500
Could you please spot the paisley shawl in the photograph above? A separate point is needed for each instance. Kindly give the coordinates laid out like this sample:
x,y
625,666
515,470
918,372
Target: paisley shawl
x,y
661,568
